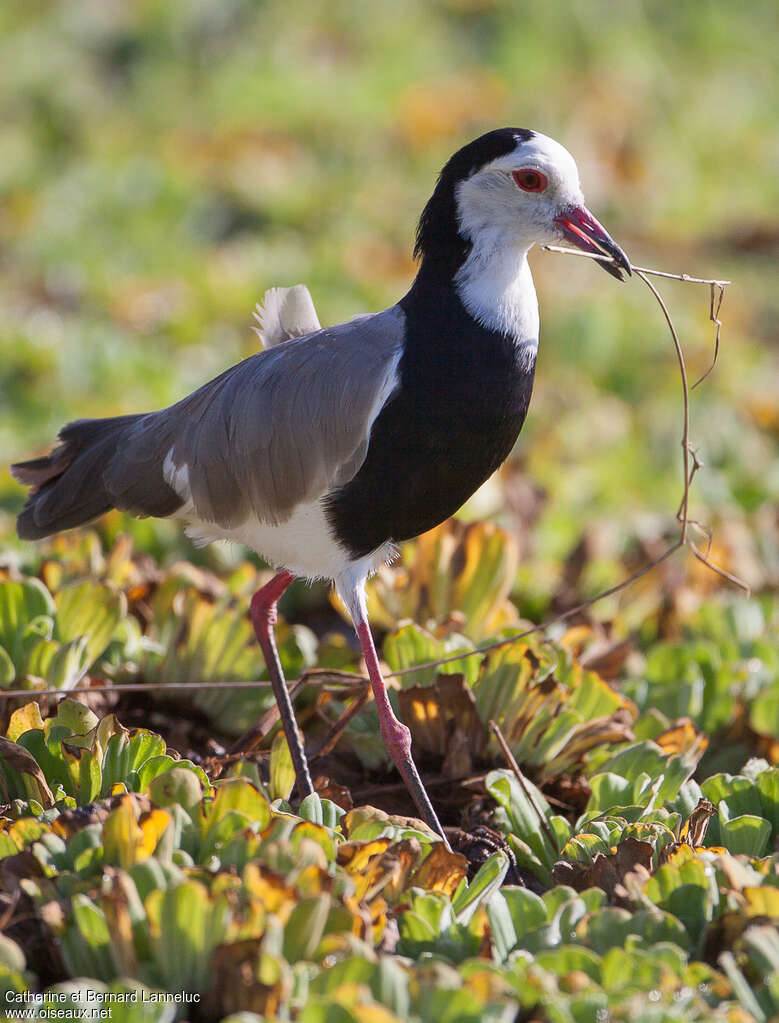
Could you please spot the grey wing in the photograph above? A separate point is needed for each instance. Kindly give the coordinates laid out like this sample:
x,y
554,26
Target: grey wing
x,y
281,428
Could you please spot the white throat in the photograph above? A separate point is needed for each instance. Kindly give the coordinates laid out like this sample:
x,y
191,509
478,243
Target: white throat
x,y
496,287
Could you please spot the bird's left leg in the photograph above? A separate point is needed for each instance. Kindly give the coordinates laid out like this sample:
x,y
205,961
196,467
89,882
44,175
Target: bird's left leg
x,y
396,735
264,615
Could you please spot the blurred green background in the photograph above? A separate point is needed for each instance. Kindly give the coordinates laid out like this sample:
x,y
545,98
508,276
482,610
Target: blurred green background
x,y
163,163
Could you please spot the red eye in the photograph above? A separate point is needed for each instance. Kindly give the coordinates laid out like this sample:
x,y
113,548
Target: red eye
x,y
530,180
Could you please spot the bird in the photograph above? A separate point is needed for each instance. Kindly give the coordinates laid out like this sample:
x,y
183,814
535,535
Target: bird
x,y
330,446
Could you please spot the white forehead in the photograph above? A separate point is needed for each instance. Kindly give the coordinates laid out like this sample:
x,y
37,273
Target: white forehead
x,y
541,153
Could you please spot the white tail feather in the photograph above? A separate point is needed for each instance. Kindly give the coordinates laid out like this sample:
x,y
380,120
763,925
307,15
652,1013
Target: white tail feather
x,y
285,313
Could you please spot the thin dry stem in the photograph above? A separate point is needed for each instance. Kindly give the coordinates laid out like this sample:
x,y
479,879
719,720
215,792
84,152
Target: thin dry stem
x,y
328,679
523,784
681,515
602,258
717,294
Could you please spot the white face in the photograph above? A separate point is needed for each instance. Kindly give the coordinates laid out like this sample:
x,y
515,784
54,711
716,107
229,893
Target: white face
x,y
513,200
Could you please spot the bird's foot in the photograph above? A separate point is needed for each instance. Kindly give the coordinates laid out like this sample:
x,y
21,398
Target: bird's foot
x,y
410,775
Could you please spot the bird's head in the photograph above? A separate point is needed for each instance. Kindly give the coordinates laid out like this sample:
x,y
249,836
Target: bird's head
x,y
510,189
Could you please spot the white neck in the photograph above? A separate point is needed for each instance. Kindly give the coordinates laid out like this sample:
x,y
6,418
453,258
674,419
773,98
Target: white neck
x,y
496,287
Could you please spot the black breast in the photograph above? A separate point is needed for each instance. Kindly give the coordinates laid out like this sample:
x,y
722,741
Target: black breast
x,y
463,396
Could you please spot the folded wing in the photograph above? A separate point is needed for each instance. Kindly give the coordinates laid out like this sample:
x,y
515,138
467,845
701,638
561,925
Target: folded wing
x,y
281,428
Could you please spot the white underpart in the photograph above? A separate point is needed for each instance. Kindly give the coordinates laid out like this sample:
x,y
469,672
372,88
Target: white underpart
x,y
303,544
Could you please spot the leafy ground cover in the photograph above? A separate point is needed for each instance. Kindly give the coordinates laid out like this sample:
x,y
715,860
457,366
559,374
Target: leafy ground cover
x,y
630,867
164,163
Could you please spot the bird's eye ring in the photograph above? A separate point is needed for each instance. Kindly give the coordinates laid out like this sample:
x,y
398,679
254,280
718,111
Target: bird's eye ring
x,y
530,180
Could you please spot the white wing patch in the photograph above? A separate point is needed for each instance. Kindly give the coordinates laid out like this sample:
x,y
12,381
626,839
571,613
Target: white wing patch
x,y
177,477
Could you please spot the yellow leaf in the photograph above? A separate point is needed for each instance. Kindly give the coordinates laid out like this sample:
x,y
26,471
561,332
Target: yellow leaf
x,y
763,901
374,1014
354,856
269,889
681,855
122,836
24,719
153,828
282,771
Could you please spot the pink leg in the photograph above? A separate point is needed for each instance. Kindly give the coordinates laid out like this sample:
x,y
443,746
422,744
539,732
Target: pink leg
x,y
396,736
264,616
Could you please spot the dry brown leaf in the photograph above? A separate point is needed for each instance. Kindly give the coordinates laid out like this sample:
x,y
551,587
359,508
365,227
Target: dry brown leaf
x,y
24,762
607,871
694,831
691,836
326,788
440,871
437,712
238,986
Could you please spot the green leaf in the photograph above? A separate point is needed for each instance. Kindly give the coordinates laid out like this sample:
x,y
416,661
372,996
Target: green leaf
x,y
282,771
504,936
567,958
7,669
49,756
239,794
75,716
310,809
527,909
116,762
645,760
91,611
152,768
21,602
768,787
305,927
410,645
61,665
487,880
88,944
236,803
611,927
144,745
189,926
84,767
609,790
177,785
764,712
685,892
745,834
523,819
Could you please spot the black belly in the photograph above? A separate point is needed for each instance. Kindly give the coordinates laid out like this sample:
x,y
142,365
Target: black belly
x,y
456,416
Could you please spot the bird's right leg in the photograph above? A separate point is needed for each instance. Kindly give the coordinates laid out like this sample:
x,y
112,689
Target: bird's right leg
x,y
264,615
396,735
